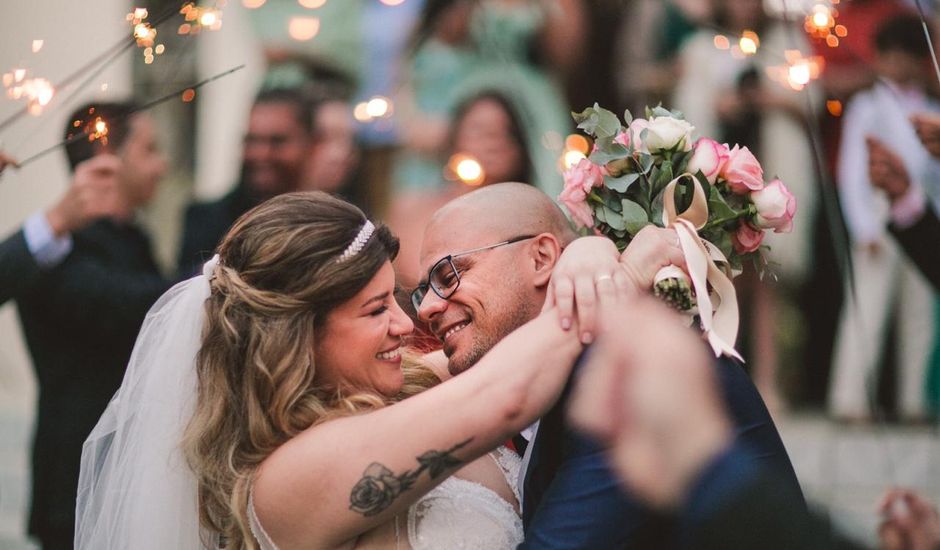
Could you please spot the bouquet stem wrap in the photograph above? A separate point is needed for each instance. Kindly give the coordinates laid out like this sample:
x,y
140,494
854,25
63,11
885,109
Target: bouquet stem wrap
x,y
719,320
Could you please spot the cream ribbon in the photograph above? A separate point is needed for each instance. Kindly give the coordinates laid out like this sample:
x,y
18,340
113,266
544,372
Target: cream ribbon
x,y
719,321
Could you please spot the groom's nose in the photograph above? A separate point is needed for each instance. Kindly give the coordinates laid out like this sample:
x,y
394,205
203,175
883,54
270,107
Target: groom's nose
x,y
431,306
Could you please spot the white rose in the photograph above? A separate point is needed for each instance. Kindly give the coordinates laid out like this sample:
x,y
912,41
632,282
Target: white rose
x,y
667,133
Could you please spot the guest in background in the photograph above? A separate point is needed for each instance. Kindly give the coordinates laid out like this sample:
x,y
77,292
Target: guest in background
x,y
45,239
886,285
81,318
649,395
488,135
282,151
730,97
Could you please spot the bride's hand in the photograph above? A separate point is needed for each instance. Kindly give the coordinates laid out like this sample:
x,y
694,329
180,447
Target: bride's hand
x,y
652,249
588,272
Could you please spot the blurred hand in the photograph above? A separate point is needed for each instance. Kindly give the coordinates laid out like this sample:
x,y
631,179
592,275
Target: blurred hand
x,y
927,126
650,250
94,193
909,522
587,273
6,160
648,390
886,169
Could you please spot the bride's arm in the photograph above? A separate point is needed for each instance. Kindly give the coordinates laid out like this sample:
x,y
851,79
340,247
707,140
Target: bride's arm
x,y
332,483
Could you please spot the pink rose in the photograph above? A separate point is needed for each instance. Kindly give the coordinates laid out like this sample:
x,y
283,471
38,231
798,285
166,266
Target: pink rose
x,y
710,157
776,207
747,238
623,138
574,198
585,174
742,171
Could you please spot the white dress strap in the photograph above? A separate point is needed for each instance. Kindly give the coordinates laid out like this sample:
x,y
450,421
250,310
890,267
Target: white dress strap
x,y
264,541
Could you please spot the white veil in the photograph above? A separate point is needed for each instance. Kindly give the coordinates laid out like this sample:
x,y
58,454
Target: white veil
x,y
135,489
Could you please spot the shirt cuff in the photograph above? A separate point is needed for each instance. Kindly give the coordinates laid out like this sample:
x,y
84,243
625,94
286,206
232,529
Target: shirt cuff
x,y
909,209
47,249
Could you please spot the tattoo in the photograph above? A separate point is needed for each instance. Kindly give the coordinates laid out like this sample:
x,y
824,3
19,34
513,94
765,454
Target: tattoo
x,y
379,487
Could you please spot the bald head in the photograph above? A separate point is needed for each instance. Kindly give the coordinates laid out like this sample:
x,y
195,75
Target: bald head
x,y
501,210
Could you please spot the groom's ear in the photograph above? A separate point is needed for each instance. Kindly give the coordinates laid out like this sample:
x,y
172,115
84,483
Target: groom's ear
x,y
545,253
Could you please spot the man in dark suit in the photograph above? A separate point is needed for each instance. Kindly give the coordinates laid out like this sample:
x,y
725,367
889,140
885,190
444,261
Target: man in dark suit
x,y
45,240
292,144
501,244
82,317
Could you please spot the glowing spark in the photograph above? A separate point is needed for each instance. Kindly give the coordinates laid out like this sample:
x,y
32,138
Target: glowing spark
x,y
467,169
159,49
104,87
37,45
821,19
208,19
749,43
303,28
834,106
140,13
378,107
392,2
577,142
100,126
361,112
799,75
311,4
798,72
722,42
573,157
19,74
253,4
188,95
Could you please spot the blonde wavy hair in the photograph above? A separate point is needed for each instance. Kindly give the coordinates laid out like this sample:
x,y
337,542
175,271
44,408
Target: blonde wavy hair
x,y
277,280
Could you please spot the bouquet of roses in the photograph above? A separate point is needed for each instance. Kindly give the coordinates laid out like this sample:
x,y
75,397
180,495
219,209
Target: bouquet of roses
x,y
649,171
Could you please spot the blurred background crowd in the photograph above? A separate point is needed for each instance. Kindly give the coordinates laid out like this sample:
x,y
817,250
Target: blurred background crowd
x,y
402,105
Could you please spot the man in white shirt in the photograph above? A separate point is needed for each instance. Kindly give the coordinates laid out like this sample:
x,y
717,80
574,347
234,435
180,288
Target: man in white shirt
x,y
884,281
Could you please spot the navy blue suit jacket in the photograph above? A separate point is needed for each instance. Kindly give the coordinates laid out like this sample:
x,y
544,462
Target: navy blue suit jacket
x,y
572,499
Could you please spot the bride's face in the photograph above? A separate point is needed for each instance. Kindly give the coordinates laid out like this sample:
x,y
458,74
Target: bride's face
x,y
359,345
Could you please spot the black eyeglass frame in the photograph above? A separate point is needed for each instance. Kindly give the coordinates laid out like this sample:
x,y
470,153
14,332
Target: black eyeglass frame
x,y
421,291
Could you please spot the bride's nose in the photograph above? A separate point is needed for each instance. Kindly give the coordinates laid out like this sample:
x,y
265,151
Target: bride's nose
x,y
401,324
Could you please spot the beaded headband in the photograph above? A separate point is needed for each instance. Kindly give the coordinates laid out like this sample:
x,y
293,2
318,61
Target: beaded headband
x,y
356,245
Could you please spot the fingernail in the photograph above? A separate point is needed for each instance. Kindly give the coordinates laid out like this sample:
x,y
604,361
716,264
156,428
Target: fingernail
x,y
565,323
587,338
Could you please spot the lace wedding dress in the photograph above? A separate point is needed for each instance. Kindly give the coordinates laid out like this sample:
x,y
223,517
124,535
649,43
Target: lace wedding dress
x,y
457,514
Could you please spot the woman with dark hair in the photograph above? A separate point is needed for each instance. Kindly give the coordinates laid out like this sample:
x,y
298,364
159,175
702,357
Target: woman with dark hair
x,y
264,405
487,136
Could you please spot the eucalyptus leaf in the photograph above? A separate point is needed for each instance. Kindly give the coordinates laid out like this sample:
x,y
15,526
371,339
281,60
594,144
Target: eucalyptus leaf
x,y
614,220
598,121
603,155
634,217
646,162
663,177
599,213
627,117
622,183
659,110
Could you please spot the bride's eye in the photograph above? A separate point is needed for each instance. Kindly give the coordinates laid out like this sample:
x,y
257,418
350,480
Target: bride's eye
x,y
379,311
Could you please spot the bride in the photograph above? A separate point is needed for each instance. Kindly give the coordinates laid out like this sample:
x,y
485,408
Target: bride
x,y
255,411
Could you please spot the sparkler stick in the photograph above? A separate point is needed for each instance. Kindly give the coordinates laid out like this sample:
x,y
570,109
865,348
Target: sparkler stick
x,y
105,59
146,106
933,54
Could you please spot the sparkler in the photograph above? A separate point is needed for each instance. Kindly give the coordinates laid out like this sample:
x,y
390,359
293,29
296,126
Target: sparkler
x,y
933,53
99,129
103,59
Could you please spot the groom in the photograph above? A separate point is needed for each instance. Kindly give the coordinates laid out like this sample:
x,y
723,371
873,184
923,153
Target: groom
x,y
570,497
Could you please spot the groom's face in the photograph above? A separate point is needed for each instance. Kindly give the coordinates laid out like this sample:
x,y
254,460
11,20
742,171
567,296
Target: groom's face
x,y
492,299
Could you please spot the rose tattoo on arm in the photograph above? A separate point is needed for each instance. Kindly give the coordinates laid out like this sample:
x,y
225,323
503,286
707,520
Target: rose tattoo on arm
x,y
379,486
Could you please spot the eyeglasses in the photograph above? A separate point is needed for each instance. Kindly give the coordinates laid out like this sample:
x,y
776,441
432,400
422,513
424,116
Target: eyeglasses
x,y
444,277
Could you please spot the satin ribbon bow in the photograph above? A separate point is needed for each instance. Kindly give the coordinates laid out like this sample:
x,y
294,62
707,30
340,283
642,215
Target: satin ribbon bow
x,y
719,322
